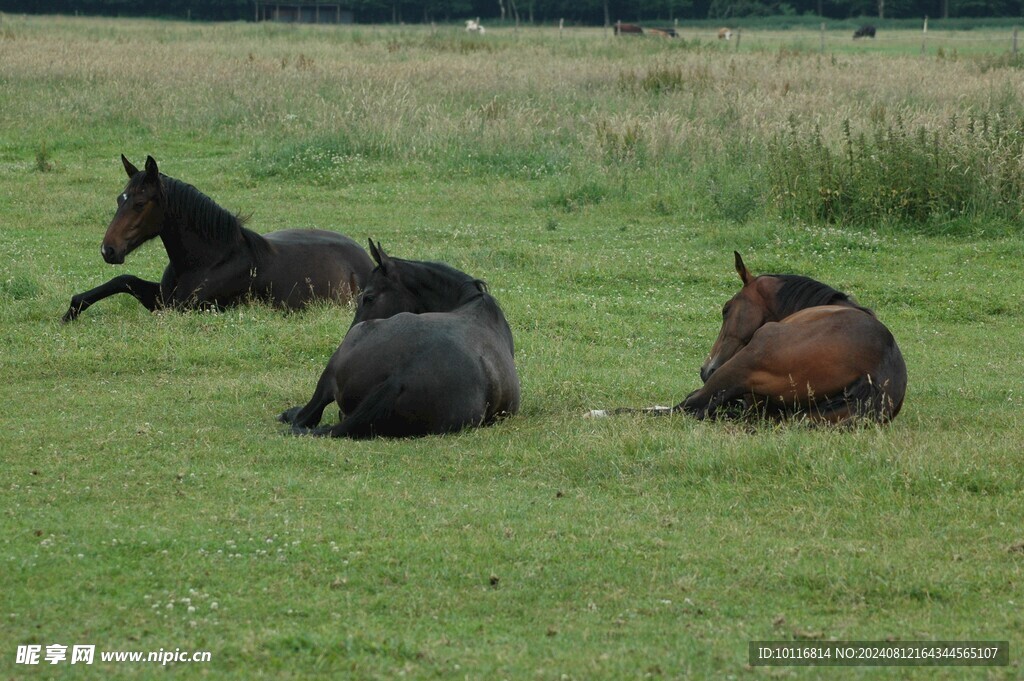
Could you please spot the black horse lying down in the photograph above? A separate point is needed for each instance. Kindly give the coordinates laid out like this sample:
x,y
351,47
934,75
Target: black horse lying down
x,y
429,351
214,260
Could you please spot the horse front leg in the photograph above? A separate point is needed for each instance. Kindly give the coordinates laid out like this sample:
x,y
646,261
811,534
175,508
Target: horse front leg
x,y
727,384
146,292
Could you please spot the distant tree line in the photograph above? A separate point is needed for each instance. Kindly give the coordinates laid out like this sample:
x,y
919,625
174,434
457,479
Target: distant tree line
x,y
587,12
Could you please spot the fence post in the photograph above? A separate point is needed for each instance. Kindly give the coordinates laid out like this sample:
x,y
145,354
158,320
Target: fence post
x,y
1014,42
739,32
924,34
823,37
561,25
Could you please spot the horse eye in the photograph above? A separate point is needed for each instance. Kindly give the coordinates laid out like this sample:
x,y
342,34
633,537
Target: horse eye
x,y
367,299
139,205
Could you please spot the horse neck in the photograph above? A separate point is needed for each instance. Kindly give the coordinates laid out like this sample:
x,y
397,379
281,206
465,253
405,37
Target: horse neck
x,y
811,293
197,232
437,289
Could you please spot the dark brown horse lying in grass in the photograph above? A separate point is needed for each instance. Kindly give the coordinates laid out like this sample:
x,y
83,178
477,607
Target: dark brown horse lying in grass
x,y
790,345
214,260
429,352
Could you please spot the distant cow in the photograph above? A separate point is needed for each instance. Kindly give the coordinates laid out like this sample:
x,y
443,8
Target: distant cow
x,y
867,31
662,32
724,33
627,29
474,26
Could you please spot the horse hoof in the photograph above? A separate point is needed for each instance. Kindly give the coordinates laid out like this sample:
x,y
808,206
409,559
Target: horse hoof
x,y
289,415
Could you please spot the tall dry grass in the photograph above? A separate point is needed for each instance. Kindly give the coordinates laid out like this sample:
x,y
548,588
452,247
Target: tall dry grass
x,y
314,102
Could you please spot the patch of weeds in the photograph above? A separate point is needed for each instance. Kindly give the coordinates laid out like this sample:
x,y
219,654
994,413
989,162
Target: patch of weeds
x,y
663,205
1007,60
891,174
734,196
457,44
621,143
504,259
44,162
665,78
577,197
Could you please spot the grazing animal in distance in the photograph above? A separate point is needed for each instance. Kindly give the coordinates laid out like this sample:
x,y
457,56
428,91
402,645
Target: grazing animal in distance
x,y
662,32
627,29
793,346
474,26
429,352
866,31
724,34
214,260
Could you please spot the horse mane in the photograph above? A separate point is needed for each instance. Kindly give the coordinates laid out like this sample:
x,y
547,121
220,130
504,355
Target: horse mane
x,y
198,213
798,292
441,279
451,287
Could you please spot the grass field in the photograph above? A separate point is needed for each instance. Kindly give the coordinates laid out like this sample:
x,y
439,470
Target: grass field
x,y
600,186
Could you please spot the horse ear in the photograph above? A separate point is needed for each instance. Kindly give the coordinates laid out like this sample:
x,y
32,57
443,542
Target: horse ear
x,y
128,167
741,269
379,256
152,172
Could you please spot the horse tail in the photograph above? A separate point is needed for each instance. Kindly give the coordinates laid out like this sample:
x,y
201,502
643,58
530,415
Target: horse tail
x,y
375,409
646,411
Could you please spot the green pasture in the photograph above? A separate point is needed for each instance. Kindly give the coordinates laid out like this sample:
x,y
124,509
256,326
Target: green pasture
x,y
600,186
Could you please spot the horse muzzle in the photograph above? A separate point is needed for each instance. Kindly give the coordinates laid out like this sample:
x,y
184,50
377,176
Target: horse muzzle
x,y
112,255
707,370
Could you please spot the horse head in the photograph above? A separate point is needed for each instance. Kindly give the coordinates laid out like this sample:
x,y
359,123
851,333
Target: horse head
x,y
384,293
742,315
396,285
140,212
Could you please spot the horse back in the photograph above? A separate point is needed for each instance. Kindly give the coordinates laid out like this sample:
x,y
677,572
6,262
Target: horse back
x,y
830,336
846,314
300,265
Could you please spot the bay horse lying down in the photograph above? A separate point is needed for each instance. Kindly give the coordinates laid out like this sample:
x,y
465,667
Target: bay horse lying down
x,y
214,260
790,345
428,352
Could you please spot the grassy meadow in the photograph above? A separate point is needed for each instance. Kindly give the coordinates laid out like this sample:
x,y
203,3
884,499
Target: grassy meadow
x,y
600,186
